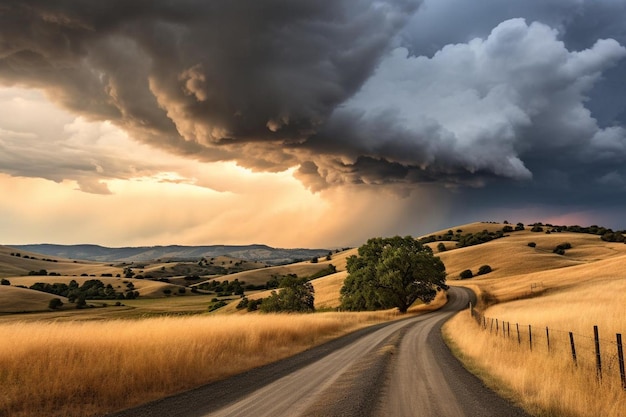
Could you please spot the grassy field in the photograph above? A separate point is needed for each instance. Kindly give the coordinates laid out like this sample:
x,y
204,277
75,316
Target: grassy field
x,y
88,368
533,286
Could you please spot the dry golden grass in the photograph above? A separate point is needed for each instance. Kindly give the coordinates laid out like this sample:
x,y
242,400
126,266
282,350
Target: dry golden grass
x,y
327,290
586,287
87,368
18,300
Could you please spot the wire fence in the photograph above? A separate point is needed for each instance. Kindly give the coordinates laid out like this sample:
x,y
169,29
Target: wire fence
x,y
586,352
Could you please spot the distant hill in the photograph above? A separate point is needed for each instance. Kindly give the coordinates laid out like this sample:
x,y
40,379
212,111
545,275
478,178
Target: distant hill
x,y
259,253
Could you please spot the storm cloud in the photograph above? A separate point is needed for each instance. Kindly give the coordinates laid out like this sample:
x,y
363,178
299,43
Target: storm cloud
x,y
352,92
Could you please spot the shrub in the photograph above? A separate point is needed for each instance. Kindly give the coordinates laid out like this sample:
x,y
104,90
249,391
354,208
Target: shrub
x,y
243,303
441,247
55,303
314,260
560,249
217,305
536,228
532,244
253,305
5,282
485,269
466,274
167,291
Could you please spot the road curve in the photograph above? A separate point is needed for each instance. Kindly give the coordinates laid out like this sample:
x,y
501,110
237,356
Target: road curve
x,y
401,368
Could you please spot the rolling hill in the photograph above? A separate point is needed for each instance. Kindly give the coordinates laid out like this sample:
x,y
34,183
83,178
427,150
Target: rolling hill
x,y
258,253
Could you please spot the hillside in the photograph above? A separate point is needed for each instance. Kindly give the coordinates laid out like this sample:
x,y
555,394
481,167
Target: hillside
x,y
256,253
517,268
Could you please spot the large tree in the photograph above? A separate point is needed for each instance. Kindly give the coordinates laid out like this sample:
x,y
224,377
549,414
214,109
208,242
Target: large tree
x,y
392,272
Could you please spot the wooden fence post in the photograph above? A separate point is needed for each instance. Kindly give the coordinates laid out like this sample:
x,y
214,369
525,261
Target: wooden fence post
x,y
548,337
620,356
571,341
519,339
497,327
598,355
530,337
508,328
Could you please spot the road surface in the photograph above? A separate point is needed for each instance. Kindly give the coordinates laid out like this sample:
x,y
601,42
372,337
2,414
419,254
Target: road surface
x,y
399,369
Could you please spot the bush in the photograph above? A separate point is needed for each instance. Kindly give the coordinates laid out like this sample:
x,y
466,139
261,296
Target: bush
x,y
217,305
485,269
536,228
466,274
560,249
253,305
532,244
55,303
5,282
243,303
441,247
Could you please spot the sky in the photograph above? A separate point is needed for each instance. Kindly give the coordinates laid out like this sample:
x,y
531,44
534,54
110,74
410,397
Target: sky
x,y
309,123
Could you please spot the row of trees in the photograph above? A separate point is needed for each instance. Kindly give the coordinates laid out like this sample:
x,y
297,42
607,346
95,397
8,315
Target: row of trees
x,y
92,289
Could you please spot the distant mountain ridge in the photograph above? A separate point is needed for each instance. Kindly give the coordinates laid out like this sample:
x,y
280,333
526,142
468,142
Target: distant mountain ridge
x,y
260,253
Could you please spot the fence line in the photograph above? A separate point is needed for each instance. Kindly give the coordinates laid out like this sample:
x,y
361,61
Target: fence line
x,y
605,356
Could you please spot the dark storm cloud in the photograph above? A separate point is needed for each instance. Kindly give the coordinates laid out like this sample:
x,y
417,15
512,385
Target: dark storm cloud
x,y
196,76
354,92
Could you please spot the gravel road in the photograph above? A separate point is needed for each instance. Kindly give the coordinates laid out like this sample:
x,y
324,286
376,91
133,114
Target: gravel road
x,y
398,369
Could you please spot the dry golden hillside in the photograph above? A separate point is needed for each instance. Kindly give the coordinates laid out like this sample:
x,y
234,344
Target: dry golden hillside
x,y
516,266
27,261
18,300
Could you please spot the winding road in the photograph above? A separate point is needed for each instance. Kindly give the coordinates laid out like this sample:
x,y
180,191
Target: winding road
x,y
398,369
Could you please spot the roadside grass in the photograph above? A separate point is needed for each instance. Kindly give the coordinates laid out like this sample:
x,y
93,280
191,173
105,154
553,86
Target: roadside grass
x,y
586,287
88,368
546,384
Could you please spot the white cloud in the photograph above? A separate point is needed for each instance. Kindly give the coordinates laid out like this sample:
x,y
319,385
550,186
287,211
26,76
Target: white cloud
x,y
486,105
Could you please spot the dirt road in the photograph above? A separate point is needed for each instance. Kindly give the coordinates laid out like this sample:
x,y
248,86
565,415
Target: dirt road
x,y
395,369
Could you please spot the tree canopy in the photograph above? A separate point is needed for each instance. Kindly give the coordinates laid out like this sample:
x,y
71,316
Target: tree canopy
x,y
392,272
295,295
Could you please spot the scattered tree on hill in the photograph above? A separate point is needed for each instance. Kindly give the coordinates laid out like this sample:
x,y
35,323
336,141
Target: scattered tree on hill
x,y
532,244
441,247
314,260
295,295
560,249
81,302
485,269
466,274
537,228
55,303
217,304
5,282
392,272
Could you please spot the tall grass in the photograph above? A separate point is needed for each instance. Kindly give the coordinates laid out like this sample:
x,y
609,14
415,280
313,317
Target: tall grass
x,y
88,368
547,381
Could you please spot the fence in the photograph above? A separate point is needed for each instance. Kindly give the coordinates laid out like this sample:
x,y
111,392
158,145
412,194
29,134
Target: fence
x,y
603,357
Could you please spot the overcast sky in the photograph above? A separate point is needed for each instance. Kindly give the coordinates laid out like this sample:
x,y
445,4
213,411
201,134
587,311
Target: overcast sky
x,y
307,123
